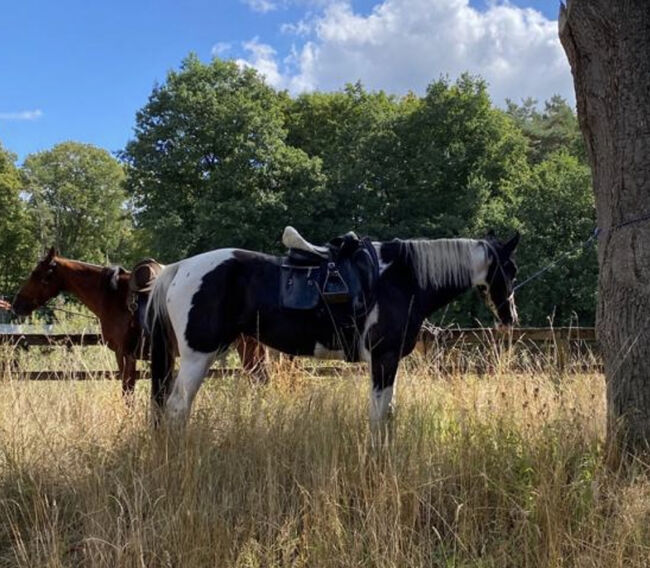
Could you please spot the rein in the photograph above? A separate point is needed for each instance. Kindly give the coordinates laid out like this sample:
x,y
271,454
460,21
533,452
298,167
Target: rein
x,y
582,246
70,312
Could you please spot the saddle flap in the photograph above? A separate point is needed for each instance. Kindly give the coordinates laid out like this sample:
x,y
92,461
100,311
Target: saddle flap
x,y
300,286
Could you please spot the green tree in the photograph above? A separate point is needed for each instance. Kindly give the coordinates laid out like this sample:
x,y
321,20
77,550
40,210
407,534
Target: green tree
x,y
337,128
209,165
446,166
78,201
556,211
17,245
553,129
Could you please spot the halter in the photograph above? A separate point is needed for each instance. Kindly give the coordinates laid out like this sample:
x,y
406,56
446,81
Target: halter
x,y
505,278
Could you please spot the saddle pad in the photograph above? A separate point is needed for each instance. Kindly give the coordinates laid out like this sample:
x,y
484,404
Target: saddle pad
x,y
300,287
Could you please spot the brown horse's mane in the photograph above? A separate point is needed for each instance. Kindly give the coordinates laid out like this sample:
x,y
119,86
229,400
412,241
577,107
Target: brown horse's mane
x,y
111,275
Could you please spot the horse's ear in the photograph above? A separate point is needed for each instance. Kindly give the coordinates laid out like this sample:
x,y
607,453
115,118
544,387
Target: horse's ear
x,y
50,254
511,245
113,276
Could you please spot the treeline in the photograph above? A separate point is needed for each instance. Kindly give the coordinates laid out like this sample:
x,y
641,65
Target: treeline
x,y
219,158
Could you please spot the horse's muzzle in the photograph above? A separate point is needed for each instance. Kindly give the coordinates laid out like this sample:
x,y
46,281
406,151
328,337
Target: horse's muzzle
x,y
22,307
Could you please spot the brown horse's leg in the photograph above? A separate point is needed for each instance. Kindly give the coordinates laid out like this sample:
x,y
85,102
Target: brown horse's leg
x,y
126,364
253,357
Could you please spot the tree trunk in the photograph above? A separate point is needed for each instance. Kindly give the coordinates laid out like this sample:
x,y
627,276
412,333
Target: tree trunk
x,y
607,43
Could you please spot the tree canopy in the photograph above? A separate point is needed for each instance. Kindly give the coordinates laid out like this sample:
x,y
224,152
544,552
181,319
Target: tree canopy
x,y
17,245
219,158
209,165
78,202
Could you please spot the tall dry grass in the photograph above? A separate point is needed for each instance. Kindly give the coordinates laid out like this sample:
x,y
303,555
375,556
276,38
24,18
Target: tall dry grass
x,y
505,469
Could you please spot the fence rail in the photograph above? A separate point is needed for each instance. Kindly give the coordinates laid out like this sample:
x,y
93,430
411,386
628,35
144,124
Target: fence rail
x,y
431,339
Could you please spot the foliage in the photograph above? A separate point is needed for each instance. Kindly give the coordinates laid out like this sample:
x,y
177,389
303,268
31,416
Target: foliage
x,y
78,202
445,160
338,128
555,128
17,245
221,159
556,211
209,165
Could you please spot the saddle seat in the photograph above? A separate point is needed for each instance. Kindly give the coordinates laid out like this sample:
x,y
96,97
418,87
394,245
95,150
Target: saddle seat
x,y
339,276
141,281
297,244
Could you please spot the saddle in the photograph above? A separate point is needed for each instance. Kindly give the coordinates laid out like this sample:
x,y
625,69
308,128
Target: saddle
x,y
339,277
141,282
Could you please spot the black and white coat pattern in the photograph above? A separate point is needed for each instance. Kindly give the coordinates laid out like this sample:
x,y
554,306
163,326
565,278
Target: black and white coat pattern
x,y
201,304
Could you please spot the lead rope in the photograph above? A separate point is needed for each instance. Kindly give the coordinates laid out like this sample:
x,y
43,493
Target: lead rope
x,y
560,258
581,247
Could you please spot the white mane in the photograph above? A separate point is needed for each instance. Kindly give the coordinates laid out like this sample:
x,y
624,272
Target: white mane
x,y
442,262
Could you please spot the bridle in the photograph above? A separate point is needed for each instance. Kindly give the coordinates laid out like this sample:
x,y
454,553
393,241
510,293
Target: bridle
x,y
488,298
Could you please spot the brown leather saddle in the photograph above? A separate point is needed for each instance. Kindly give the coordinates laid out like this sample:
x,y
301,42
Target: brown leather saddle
x,y
141,281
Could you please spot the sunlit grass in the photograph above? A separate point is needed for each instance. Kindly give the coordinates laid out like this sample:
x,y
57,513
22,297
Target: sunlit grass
x,y
499,469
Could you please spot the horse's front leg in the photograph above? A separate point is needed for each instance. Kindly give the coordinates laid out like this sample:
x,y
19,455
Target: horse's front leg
x,y
126,366
383,370
253,358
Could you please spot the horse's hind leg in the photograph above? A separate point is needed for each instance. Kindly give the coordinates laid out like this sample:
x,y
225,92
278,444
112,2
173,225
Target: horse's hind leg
x,y
253,358
193,368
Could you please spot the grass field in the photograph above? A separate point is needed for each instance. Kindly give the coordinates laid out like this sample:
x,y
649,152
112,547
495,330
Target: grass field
x,y
499,470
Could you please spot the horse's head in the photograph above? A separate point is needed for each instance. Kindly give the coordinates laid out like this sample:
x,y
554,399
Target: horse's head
x,y
43,284
497,285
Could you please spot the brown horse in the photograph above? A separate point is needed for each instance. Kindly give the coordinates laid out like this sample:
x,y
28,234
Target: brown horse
x,y
105,292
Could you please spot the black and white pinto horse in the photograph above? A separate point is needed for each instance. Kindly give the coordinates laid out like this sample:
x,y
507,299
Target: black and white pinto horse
x,y
201,304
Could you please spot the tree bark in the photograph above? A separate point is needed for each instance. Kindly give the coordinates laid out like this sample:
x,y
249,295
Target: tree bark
x,y
607,43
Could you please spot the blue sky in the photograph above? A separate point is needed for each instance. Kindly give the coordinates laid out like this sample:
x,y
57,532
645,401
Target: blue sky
x,y
79,70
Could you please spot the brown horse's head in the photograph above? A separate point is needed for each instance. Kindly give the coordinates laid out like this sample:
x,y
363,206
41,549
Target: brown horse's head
x,y
43,284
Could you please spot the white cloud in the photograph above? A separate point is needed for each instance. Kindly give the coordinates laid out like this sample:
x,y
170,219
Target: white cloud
x,y
220,49
302,27
262,58
22,115
262,6
403,45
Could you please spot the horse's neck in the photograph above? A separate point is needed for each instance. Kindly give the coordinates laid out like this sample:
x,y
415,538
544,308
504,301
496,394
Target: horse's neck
x,y
84,281
437,291
433,299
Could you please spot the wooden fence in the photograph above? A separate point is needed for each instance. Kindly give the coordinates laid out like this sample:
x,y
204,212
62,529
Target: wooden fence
x,y
432,340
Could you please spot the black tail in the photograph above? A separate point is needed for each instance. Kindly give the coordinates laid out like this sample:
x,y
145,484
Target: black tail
x,y
163,345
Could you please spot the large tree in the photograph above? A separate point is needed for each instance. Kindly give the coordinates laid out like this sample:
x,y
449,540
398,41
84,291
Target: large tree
x,y
78,201
447,164
547,131
17,245
338,128
209,165
608,46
